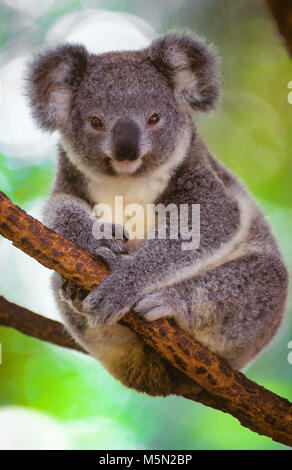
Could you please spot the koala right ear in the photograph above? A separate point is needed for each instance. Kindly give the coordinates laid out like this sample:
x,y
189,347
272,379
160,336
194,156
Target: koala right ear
x,y
51,79
190,66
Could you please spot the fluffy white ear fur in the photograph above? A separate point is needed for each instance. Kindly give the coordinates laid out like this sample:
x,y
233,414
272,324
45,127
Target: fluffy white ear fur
x,y
51,78
184,77
59,96
191,66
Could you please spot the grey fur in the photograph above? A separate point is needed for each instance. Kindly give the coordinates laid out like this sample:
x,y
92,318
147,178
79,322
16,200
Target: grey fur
x,y
230,293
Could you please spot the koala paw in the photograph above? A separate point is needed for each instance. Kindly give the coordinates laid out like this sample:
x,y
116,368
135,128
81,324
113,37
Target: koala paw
x,y
108,240
116,246
73,295
114,259
112,299
159,304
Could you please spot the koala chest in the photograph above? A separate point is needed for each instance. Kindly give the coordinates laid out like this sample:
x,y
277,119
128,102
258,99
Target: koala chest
x,y
127,201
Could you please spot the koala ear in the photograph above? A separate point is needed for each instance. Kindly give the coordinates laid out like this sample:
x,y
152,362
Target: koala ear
x,y
191,67
51,79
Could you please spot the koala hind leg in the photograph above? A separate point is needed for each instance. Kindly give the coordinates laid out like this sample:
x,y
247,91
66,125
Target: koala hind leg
x,y
235,309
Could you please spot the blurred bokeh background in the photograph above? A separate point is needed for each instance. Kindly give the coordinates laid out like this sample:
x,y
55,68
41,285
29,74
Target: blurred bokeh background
x,y
51,398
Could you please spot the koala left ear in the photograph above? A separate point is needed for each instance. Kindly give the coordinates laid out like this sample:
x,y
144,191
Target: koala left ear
x,y
191,67
51,79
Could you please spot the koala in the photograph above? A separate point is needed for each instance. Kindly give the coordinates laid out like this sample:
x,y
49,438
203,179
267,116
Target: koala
x,y
126,126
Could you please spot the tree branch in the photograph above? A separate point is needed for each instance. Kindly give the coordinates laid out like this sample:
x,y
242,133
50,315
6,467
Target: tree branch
x,y
54,332
281,10
221,386
37,326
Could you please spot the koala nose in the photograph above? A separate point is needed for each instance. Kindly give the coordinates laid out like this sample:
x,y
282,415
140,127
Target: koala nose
x,y
126,134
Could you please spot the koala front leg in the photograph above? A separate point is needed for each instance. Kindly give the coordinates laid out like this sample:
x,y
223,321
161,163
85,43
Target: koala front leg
x,y
72,218
162,262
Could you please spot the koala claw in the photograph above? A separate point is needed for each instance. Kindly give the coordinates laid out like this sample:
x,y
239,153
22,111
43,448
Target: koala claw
x,y
73,295
117,246
157,305
101,311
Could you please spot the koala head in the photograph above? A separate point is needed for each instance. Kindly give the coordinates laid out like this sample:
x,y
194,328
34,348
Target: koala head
x,y
123,112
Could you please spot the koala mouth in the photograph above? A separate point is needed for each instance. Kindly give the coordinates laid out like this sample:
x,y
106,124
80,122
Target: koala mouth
x,y
126,166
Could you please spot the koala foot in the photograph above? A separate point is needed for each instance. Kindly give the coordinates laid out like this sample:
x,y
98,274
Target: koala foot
x,y
158,305
73,295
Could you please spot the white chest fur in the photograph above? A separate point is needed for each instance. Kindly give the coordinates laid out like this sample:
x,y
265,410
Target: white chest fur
x,y
138,190
128,198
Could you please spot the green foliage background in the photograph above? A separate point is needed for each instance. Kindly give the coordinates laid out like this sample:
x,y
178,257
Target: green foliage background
x,y
251,134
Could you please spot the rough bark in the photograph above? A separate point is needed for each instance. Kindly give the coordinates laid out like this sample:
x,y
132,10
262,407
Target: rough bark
x,y
221,386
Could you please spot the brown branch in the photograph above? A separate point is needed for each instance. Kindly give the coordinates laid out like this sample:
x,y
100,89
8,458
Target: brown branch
x,y
221,386
281,11
45,329
37,326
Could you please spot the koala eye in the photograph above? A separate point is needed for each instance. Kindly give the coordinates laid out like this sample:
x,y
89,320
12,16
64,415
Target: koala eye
x,y
154,119
96,123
